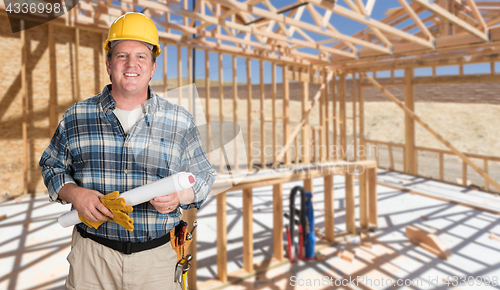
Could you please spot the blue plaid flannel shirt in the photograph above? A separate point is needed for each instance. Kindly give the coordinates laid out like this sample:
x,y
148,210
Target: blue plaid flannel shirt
x,y
90,149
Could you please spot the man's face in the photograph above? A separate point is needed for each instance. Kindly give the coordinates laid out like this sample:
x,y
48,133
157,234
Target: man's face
x,y
130,67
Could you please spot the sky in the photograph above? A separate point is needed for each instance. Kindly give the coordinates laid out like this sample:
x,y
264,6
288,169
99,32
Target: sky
x,y
344,25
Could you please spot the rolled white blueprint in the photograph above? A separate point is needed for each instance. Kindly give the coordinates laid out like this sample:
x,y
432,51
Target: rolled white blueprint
x,y
138,195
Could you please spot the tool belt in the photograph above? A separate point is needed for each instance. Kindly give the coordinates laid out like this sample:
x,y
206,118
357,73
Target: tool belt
x,y
128,247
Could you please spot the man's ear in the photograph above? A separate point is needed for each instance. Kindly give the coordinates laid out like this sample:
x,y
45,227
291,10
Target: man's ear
x,y
153,70
108,66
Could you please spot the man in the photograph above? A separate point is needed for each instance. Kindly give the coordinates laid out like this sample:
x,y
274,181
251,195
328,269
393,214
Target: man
x,y
122,138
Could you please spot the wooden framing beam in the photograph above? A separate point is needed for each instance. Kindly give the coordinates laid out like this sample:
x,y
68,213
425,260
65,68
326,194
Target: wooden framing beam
x,y
349,203
369,7
435,134
264,33
363,199
320,20
376,31
371,22
286,120
247,230
485,168
275,123
309,184
262,116
362,118
335,116
24,96
104,73
290,21
354,129
441,166
249,112
207,101
464,174
322,122
53,120
445,28
416,19
221,200
454,42
372,196
474,79
165,78
179,72
199,43
329,208
301,123
327,115
342,117
278,222
306,129
77,65
235,113
415,63
436,9
477,16
189,79
292,174
315,144
297,16
409,155
190,217
221,108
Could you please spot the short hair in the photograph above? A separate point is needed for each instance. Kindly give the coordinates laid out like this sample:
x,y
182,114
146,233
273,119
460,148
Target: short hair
x,y
153,56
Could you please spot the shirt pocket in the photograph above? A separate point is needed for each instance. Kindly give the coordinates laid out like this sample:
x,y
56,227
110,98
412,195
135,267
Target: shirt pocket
x,y
151,157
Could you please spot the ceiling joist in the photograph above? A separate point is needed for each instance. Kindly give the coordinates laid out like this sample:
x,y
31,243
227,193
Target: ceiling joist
x,y
259,28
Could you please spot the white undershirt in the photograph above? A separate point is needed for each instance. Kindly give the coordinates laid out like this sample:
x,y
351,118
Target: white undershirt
x,y
128,118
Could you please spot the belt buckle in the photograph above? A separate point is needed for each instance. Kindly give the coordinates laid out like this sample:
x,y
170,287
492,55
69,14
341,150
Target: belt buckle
x,y
127,248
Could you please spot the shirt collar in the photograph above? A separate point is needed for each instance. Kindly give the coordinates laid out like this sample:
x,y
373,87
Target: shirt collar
x,y
106,100
108,103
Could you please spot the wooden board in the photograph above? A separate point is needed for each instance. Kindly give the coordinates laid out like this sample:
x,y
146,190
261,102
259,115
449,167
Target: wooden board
x,y
366,240
342,117
247,230
349,203
190,217
222,236
409,158
363,199
306,129
372,196
278,221
329,208
428,241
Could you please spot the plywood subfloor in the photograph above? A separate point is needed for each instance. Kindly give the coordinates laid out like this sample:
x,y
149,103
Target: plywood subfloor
x,y
33,247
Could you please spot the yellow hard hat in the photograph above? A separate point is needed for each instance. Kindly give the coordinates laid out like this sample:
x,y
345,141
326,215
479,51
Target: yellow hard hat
x,y
133,26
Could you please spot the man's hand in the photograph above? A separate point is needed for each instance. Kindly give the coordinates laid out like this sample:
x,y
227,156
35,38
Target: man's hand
x,y
86,202
167,203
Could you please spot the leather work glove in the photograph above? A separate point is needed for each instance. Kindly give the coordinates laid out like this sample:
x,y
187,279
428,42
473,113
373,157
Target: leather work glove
x,y
118,208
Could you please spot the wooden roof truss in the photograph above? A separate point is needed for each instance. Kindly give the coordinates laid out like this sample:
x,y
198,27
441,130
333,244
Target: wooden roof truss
x,y
416,32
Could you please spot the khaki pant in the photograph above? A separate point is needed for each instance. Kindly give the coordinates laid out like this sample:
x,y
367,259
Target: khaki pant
x,y
94,266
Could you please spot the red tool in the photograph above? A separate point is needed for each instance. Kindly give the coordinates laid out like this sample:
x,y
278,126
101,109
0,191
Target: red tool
x,y
301,244
181,236
291,257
